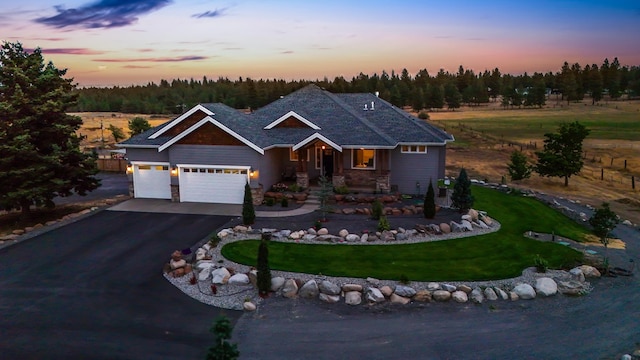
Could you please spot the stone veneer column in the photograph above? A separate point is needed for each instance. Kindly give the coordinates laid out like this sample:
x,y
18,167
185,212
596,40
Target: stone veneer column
x,y
258,195
302,179
382,184
131,191
338,180
175,193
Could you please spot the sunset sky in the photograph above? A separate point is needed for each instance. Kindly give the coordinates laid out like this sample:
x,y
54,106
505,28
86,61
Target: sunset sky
x,y
125,42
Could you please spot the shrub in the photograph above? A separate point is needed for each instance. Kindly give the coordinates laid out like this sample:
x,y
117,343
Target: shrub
x,y
270,201
214,241
295,188
279,187
383,224
284,202
248,212
540,263
429,208
264,272
317,225
461,198
423,115
341,190
519,167
376,209
222,348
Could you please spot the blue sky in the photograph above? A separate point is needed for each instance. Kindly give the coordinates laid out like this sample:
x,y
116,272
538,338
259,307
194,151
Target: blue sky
x,y
120,42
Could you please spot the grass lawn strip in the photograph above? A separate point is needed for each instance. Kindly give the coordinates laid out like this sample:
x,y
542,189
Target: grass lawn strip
x,y
500,255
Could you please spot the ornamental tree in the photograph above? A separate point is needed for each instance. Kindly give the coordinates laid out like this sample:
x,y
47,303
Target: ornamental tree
x,y
138,125
519,167
248,210
461,197
222,349
562,153
429,207
40,156
264,271
603,221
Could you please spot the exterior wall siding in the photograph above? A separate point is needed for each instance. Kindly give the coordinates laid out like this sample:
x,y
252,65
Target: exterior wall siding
x,y
407,169
150,155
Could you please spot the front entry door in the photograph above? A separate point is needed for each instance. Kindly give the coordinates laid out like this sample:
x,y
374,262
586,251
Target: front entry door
x,y
327,163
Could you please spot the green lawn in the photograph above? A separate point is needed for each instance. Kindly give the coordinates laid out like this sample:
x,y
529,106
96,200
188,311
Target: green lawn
x,y
498,255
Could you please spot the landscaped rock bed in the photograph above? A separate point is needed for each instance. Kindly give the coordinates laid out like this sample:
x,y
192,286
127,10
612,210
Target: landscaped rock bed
x,y
218,282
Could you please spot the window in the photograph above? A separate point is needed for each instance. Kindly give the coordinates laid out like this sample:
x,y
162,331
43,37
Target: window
x,y
186,170
144,167
414,149
363,159
293,155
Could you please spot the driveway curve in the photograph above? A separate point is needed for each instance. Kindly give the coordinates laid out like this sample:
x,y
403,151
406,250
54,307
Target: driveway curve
x,y
94,290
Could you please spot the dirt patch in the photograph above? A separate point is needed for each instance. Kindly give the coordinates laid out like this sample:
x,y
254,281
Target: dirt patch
x,y
592,240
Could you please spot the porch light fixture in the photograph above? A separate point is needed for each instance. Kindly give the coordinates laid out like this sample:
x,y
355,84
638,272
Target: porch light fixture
x,y
129,169
174,171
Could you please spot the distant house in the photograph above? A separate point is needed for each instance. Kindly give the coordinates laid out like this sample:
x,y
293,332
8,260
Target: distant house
x,y
211,151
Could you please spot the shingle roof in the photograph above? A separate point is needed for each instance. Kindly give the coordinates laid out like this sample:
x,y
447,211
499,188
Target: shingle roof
x,y
341,118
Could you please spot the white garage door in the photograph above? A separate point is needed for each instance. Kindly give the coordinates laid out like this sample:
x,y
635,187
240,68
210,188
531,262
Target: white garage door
x,y
151,181
224,185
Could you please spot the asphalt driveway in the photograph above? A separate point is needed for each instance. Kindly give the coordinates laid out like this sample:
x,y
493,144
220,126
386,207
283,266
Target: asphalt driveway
x,y
93,290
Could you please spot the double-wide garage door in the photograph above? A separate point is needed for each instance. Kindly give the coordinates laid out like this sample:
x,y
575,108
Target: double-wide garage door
x,y
223,185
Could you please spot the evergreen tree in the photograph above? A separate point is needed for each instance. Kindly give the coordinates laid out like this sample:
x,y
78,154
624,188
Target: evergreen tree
x,y
562,153
138,125
264,272
222,349
519,167
461,197
116,132
452,96
40,156
429,207
248,211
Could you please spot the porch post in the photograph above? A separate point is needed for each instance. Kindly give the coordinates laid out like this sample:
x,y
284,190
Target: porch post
x,y
338,171
302,176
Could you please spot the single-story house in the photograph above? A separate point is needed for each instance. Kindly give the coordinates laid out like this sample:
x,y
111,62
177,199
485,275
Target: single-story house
x,y
211,151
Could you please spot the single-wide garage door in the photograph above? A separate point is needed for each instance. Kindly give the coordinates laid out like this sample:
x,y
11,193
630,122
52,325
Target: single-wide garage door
x,y
151,181
224,185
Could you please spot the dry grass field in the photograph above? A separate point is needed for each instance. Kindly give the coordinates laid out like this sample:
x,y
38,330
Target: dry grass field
x,y
486,136
92,120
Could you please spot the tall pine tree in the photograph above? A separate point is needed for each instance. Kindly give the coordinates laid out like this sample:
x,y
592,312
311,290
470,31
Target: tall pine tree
x,y
461,197
429,207
40,156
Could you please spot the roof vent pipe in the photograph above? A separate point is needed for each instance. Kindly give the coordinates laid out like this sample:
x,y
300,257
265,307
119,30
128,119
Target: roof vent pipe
x,y
365,107
377,93
372,106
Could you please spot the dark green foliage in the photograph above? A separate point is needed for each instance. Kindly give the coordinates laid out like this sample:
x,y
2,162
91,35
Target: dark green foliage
x,y
317,225
270,201
222,349
452,96
40,156
461,197
562,153
284,202
383,224
138,125
540,263
264,272
248,211
519,167
423,115
429,207
603,221
116,132
376,209
341,190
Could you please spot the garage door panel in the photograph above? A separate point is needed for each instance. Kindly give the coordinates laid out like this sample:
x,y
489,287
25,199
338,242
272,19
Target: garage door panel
x,y
212,185
152,181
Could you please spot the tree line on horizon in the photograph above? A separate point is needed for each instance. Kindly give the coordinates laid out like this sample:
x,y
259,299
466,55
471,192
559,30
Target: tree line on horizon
x,y
447,90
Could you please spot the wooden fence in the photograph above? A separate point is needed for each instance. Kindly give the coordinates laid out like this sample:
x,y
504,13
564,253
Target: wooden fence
x,y
112,165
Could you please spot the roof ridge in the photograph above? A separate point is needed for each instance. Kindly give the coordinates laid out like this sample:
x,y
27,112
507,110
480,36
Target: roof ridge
x,y
362,119
431,128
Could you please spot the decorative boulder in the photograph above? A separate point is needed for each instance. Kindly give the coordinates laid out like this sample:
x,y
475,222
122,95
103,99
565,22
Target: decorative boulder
x,y
445,228
343,233
476,296
473,214
331,299
404,291
220,276
464,288
374,295
572,288
423,296
200,254
525,291
309,290
329,288
448,287
204,274
277,283
490,294
176,264
323,231
238,279
253,277
546,286
577,274
290,289
459,296
364,237
501,293
249,306
466,225
397,299
353,297
433,286
352,237
351,287
513,296
590,271
441,295
386,290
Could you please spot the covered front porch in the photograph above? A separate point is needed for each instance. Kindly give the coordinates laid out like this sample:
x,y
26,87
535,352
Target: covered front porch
x,y
362,168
